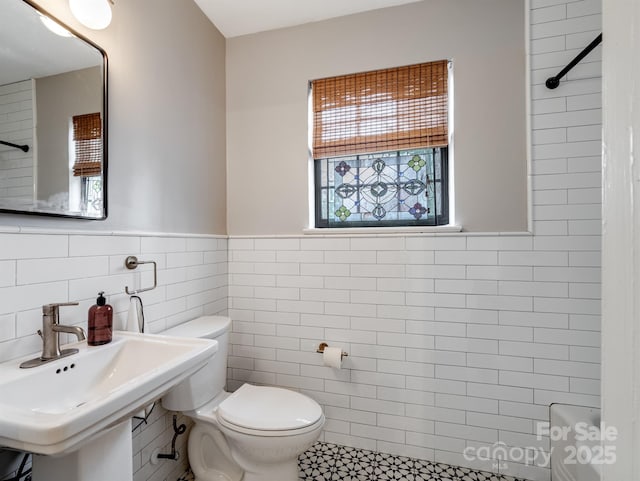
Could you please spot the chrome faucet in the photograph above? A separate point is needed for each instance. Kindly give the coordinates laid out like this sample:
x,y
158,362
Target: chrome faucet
x,y
50,335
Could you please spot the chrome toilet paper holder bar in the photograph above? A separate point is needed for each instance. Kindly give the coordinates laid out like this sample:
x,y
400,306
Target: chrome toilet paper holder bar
x,y
132,262
324,344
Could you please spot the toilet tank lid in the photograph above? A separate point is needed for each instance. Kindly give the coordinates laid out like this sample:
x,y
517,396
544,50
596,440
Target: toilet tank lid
x,y
205,327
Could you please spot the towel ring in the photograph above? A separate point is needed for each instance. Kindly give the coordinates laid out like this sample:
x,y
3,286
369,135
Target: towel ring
x,y
132,262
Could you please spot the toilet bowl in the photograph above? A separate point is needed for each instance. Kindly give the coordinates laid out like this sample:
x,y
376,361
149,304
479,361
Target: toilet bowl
x,y
253,434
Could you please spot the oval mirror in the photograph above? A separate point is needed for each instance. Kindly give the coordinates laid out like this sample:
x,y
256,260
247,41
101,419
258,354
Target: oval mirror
x,y
53,117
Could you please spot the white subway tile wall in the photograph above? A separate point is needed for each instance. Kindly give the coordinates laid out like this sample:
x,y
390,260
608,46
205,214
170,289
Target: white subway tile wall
x,y
17,127
37,269
455,341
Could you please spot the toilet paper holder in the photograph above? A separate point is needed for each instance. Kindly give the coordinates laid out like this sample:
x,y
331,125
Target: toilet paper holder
x,y
324,344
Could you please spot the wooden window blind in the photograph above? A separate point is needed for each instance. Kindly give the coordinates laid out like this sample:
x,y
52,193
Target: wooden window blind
x,y
87,136
383,110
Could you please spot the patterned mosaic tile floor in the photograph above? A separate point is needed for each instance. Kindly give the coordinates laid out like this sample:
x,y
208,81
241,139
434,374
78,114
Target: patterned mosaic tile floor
x,y
329,462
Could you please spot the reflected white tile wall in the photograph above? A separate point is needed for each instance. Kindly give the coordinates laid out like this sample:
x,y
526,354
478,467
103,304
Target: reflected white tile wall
x,y
17,126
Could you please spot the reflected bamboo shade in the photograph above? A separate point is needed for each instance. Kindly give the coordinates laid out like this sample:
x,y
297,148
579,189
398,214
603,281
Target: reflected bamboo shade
x,y
391,109
87,136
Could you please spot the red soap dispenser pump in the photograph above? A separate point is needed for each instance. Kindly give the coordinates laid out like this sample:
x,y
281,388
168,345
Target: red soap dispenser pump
x,y
100,322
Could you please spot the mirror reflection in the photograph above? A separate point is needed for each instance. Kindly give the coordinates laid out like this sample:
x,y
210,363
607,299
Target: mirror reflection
x,y
52,117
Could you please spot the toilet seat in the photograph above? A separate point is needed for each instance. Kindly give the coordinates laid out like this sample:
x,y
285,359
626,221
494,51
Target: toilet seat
x,y
266,434
269,411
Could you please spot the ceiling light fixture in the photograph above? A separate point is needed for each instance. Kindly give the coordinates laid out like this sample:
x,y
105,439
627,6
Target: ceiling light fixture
x,y
93,14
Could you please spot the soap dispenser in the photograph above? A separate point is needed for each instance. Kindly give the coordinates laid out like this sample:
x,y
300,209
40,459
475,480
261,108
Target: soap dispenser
x,y
100,322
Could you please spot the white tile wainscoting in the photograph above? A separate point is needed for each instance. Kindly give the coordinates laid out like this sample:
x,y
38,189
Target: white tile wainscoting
x,y
40,267
453,340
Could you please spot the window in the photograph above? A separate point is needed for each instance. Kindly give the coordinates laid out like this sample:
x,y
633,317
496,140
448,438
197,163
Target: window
x,y
380,147
87,160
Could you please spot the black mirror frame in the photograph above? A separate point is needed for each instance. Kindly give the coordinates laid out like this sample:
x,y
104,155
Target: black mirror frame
x,y
105,126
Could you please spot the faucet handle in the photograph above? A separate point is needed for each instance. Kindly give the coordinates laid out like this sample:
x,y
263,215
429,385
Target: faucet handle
x,y
49,309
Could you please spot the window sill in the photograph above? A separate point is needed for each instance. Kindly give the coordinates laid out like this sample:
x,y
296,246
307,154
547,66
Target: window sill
x,y
348,231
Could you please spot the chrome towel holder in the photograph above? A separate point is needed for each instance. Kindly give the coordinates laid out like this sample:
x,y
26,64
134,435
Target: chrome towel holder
x,y
132,262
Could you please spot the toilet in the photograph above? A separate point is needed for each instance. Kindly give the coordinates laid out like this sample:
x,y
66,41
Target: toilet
x,y
253,434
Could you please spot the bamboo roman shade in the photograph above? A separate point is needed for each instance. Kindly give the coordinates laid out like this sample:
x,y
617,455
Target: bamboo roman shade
x,y
87,136
391,109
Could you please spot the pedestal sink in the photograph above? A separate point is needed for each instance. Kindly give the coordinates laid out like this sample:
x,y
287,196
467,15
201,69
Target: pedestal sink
x,y
76,410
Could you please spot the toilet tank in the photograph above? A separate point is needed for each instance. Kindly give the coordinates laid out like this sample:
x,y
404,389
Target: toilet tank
x,y
209,381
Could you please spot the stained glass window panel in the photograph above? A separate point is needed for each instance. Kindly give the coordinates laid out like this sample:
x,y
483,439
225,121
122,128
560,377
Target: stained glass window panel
x,y
382,189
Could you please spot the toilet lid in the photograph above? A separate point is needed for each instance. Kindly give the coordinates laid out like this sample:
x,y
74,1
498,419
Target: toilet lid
x,y
269,409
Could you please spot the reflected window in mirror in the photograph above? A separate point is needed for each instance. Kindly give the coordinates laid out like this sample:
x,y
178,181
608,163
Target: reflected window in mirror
x,y
85,150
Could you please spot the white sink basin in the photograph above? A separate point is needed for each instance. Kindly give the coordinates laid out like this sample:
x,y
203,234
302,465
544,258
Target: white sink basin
x,y
55,408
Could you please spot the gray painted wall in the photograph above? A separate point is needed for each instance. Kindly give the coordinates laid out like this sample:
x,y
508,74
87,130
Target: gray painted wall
x,y
166,120
267,109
